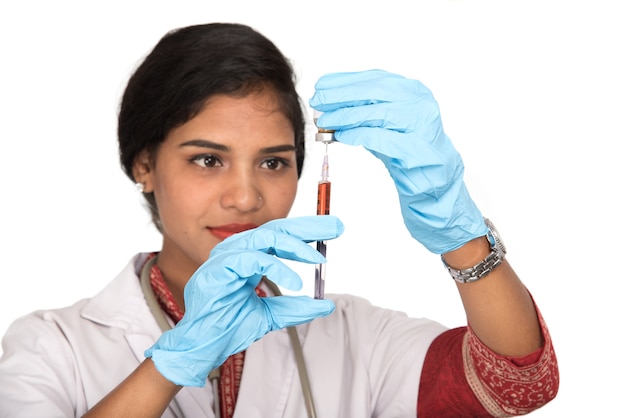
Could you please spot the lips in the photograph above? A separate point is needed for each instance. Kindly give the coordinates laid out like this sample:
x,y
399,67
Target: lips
x,y
225,231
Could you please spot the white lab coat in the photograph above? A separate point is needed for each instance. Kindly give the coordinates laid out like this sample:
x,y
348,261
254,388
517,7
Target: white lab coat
x,y
362,361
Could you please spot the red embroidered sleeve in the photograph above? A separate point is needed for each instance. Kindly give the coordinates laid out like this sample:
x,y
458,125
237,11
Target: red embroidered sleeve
x,y
464,378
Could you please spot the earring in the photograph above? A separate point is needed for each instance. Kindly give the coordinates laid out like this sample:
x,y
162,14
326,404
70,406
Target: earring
x,y
139,187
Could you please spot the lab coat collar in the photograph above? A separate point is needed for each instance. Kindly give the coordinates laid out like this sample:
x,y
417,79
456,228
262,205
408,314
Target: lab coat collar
x,y
122,305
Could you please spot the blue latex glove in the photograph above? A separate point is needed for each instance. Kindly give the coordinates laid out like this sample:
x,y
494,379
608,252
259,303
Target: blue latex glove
x,y
224,315
397,120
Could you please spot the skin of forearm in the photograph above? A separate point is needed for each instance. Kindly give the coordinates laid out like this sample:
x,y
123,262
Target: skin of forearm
x,y
498,307
144,393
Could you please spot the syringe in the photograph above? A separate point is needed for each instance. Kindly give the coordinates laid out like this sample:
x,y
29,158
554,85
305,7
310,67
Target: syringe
x,y
323,208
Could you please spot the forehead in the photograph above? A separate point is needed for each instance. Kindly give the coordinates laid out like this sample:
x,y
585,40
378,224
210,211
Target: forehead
x,y
257,103
227,118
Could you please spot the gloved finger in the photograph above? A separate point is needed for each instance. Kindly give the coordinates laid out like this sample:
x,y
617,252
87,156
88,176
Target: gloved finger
x,y
288,311
270,242
286,238
397,116
308,228
227,269
338,90
346,78
396,150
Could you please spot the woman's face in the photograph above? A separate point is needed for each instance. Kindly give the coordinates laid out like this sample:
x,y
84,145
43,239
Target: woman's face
x,y
230,168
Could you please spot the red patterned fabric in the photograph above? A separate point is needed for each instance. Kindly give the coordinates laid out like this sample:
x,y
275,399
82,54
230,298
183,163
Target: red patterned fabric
x,y
510,386
163,294
230,379
443,391
464,378
232,369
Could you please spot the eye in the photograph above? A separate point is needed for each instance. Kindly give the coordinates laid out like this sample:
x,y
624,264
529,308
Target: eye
x,y
275,163
207,161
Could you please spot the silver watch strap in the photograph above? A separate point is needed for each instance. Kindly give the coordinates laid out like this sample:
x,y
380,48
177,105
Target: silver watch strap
x,y
480,270
486,266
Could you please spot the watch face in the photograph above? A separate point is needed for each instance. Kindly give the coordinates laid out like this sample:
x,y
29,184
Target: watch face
x,y
491,238
494,237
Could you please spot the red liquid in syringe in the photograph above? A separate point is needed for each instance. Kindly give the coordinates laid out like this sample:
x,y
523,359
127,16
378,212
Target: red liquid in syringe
x,y
323,197
323,208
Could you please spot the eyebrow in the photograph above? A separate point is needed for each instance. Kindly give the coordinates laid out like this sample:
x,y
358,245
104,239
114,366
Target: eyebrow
x,y
278,148
204,143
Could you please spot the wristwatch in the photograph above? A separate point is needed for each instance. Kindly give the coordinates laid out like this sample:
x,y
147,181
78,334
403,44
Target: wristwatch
x,y
480,270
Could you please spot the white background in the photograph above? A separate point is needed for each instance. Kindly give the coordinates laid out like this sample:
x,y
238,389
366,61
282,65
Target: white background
x,y
532,94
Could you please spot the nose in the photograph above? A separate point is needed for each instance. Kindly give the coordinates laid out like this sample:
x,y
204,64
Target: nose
x,y
241,192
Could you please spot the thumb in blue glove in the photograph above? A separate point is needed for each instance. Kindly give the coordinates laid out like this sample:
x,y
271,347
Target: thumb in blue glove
x,y
224,315
398,120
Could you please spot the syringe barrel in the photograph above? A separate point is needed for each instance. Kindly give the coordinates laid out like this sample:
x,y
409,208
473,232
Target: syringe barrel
x,y
323,198
323,208
320,273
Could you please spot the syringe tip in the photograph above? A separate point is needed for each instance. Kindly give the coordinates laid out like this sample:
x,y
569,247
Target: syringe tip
x,y
325,167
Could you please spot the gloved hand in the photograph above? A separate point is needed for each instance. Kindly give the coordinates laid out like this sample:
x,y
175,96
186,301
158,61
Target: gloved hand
x,y
224,315
397,120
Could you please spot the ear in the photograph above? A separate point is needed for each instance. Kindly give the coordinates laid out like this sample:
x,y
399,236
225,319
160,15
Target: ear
x,y
142,171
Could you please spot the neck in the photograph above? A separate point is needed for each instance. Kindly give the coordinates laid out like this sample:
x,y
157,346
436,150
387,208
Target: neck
x,y
175,286
175,277
176,272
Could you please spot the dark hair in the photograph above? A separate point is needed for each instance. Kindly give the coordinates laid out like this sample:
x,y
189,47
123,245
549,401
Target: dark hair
x,y
188,66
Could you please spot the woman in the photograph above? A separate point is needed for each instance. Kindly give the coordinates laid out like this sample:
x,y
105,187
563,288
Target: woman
x,y
212,131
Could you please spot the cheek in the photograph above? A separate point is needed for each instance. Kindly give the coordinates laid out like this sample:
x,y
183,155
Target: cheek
x,y
176,198
283,200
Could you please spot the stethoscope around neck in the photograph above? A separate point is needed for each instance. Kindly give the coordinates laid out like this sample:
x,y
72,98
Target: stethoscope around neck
x,y
214,376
